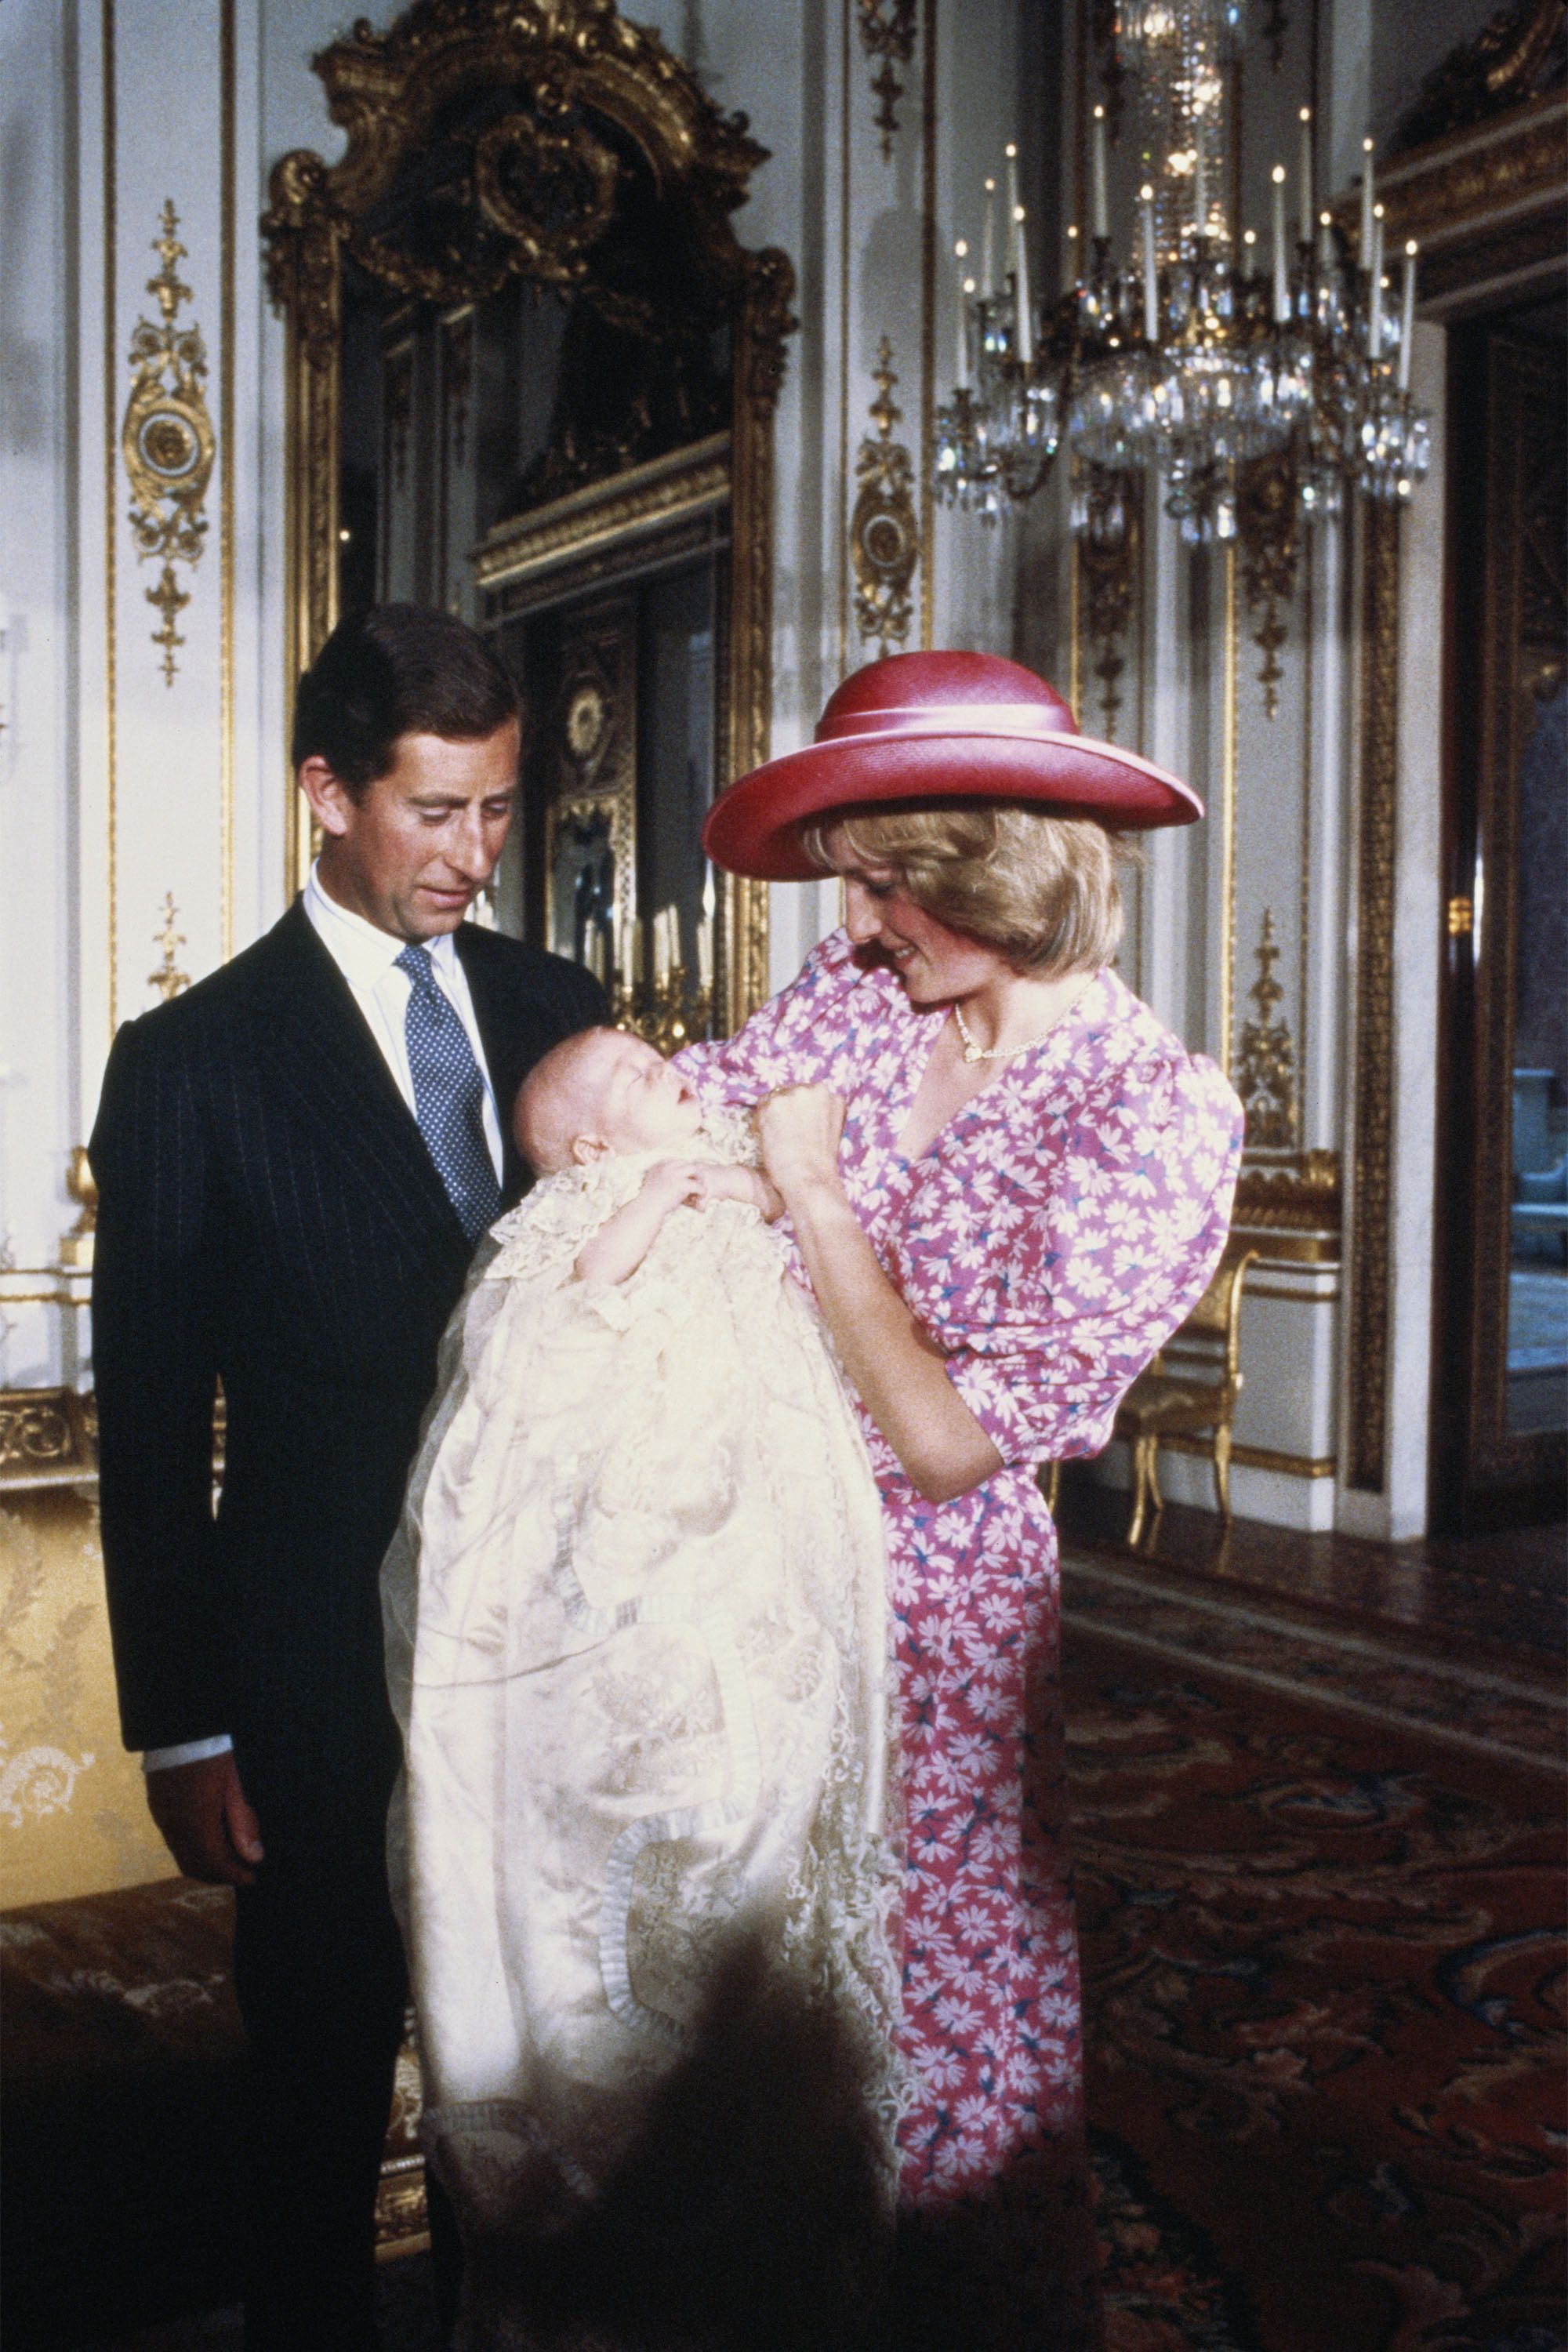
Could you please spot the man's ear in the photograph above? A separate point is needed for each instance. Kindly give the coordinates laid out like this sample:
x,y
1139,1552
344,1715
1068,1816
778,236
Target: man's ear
x,y
586,1149
331,799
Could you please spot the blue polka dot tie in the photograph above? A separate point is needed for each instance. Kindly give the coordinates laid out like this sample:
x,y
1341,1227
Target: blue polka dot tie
x,y
448,1095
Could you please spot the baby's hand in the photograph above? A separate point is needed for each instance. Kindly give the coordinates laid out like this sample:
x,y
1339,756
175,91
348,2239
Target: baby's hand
x,y
674,1182
745,1184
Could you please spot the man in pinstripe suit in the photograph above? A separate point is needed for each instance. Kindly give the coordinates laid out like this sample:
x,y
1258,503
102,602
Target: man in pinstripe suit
x,y
293,1161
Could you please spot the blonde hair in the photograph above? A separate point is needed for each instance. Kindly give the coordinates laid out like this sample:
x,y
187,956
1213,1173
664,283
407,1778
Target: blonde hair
x,y
1040,889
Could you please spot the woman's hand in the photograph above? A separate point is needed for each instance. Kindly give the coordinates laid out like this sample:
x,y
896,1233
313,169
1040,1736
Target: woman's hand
x,y
799,1130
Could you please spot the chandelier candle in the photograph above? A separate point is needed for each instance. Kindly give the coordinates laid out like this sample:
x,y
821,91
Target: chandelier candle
x,y
1101,221
1151,276
1025,307
1281,274
1375,288
1368,197
1305,175
705,934
988,245
1407,316
961,350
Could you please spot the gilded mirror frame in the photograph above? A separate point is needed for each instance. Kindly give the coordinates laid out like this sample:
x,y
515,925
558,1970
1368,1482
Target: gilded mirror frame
x,y
386,90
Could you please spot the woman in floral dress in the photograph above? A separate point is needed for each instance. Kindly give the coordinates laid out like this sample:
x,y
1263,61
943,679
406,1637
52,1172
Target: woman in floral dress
x,y
1007,1185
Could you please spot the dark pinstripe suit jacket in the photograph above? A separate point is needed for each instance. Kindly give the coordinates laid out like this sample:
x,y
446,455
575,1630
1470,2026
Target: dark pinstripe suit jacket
x,y
269,1215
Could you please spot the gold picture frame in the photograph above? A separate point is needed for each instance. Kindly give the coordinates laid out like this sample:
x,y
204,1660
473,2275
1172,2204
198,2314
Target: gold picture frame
x,y
387,89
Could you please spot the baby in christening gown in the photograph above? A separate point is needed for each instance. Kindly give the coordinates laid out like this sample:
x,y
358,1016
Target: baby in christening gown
x,y
636,1637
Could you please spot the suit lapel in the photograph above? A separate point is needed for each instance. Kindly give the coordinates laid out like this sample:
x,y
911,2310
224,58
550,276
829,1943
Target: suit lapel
x,y
323,1056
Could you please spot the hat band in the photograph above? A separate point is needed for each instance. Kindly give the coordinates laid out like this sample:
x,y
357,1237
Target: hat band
x,y
950,718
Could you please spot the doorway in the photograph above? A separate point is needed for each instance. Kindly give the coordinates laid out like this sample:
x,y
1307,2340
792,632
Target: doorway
x,y
1501,1379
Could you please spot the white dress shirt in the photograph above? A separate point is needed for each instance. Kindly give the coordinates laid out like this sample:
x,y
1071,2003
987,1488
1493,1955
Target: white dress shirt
x,y
367,957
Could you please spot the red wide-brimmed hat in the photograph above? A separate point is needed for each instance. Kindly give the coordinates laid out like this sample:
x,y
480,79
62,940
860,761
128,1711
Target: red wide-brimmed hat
x,y
936,726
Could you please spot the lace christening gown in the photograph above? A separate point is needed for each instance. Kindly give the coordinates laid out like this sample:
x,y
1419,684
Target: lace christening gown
x,y
637,1625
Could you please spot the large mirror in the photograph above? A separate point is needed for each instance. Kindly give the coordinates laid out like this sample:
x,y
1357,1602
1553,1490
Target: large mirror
x,y
532,375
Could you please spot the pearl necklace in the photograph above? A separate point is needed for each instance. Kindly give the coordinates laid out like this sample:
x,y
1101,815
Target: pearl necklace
x,y
973,1053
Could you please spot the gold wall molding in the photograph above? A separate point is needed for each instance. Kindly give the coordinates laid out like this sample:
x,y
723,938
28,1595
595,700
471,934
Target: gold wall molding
x,y
1372,1066
1515,52
168,979
228,444
1229,666
884,531
1265,1060
889,29
928,327
81,1185
1485,203
1291,1205
644,499
1263,1457
1271,534
574,60
1109,559
48,1437
167,440
110,509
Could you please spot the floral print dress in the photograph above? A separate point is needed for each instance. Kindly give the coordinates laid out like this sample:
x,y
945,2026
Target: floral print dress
x,y
1049,1241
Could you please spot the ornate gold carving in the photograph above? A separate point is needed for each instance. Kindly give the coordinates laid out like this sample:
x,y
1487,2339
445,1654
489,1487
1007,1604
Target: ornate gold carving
x,y
167,440
1292,1207
1367,1404
1107,570
1443,191
1301,1195
168,980
1271,534
48,1437
1266,1063
1517,54
388,89
402,2222
1461,918
76,1247
884,531
888,29
644,499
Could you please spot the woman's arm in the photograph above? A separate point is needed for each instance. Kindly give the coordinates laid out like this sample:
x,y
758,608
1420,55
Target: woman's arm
x,y
897,1369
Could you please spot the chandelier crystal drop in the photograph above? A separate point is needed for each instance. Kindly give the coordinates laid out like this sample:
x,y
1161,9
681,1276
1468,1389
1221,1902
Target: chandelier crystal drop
x,y
1188,357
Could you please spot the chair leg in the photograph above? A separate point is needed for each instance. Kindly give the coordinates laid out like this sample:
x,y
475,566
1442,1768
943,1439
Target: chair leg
x,y
1222,1472
1147,1504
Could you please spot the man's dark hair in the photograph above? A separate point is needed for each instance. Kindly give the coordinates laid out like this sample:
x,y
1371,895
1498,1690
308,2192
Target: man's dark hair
x,y
397,669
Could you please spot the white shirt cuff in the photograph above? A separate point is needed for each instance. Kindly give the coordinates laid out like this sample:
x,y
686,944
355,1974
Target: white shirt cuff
x,y
190,1751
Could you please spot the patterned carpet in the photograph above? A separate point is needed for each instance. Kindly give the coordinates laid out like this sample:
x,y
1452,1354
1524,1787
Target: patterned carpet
x,y
1321,1898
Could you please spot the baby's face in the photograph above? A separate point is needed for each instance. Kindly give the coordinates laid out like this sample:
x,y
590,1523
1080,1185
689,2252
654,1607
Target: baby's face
x,y
631,1099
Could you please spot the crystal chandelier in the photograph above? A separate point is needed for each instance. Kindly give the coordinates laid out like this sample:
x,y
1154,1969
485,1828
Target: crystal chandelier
x,y
1187,356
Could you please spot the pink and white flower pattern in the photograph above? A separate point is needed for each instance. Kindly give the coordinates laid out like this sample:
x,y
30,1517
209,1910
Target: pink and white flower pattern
x,y
1050,1240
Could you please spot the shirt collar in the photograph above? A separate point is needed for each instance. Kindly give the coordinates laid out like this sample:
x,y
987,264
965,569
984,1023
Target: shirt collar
x,y
362,951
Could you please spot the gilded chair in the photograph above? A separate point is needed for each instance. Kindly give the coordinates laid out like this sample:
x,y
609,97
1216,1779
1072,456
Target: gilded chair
x,y
1189,1391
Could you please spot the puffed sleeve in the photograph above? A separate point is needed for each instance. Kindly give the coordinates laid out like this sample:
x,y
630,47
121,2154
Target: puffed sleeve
x,y
803,1036
1091,1282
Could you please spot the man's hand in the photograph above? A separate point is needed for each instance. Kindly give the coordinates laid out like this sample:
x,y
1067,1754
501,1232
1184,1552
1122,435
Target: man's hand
x,y
203,1819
